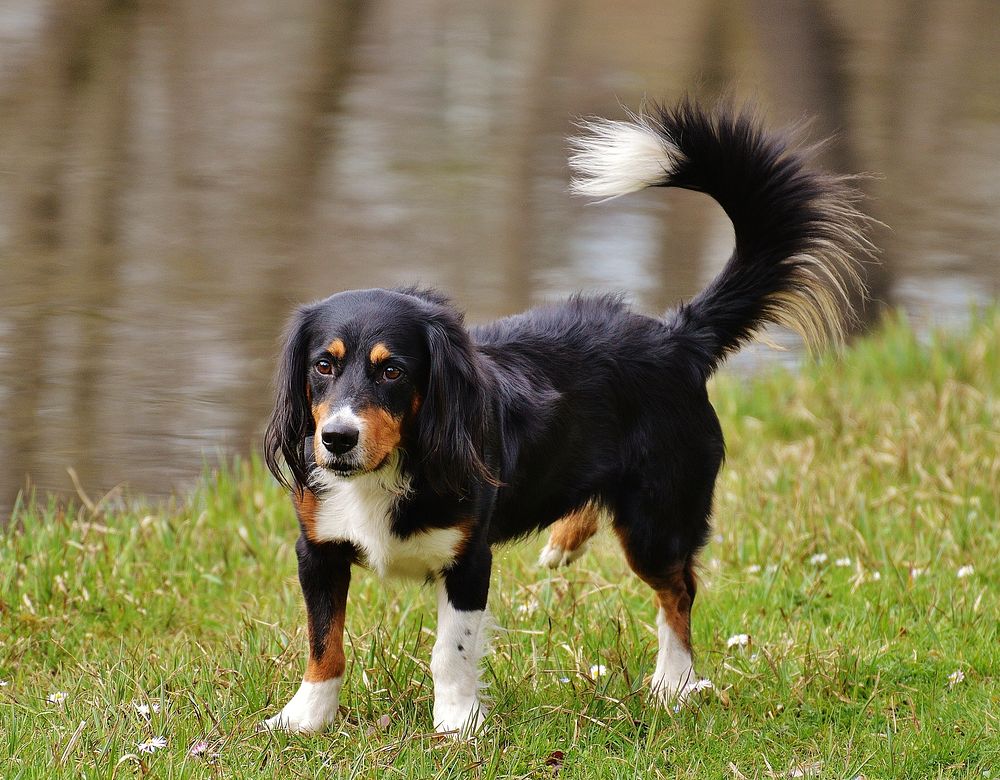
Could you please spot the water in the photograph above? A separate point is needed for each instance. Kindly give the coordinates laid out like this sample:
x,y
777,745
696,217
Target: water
x,y
176,177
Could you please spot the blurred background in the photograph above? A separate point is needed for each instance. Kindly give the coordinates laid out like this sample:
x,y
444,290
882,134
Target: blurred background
x,y
177,175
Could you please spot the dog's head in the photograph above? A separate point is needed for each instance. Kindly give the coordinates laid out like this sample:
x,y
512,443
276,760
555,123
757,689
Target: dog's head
x,y
369,374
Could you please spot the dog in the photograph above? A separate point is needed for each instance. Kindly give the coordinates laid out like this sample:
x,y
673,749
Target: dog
x,y
412,445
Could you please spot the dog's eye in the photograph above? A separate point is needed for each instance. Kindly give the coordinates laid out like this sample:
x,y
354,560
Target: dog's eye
x,y
391,373
324,367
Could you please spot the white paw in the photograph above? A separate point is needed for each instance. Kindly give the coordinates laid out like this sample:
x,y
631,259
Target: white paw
x,y
677,692
553,556
458,720
312,709
286,721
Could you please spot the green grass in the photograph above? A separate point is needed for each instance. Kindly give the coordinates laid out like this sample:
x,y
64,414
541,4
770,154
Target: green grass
x,y
888,457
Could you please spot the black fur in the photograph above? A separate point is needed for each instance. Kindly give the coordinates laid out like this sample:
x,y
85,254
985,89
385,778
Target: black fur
x,y
453,423
324,575
289,425
509,426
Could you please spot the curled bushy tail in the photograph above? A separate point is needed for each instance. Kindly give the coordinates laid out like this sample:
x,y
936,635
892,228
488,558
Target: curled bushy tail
x,y
798,231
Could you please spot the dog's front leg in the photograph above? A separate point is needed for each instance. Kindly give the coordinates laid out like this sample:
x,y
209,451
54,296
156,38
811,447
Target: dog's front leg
x,y
325,574
461,639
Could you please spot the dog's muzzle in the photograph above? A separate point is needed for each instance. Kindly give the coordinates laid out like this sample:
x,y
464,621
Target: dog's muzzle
x,y
339,438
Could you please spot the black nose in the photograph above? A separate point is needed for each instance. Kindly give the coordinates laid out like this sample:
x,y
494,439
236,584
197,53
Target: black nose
x,y
340,438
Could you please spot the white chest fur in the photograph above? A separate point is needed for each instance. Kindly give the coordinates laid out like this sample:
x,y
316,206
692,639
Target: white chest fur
x,y
359,510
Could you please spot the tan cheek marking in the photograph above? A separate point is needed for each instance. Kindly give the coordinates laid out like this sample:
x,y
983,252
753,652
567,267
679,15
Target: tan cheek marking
x,y
415,404
382,433
337,348
570,532
379,353
320,411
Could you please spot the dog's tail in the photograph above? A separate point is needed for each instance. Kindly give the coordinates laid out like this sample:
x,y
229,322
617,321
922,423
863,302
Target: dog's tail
x,y
797,231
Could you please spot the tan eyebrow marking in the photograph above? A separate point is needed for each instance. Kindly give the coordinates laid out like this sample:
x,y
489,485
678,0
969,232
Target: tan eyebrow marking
x,y
337,348
379,353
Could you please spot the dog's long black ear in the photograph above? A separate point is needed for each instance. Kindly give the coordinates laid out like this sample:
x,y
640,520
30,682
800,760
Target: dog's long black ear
x,y
290,419
453,421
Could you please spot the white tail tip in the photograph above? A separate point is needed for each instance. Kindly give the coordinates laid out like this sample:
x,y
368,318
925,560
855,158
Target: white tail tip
x,y
611,158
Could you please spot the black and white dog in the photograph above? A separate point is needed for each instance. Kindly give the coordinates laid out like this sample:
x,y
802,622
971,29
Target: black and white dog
x,y
413,445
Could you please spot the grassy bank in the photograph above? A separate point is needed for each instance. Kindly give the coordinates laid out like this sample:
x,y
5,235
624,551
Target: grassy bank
x,y
856,547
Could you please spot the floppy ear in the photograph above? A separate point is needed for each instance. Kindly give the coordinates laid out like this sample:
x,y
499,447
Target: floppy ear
x,y
289,425
454,417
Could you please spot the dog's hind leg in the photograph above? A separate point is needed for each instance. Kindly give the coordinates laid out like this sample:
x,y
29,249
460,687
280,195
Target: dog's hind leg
x,y
569,536
665,562
674,675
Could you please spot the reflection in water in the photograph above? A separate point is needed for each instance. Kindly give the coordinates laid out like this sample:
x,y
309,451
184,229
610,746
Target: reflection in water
x,y
174,177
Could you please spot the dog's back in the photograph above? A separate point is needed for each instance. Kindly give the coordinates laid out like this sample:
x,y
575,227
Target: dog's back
x,y
602,398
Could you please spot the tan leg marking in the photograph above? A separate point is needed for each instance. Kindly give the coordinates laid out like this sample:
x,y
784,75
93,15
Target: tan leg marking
x,y
675,586
568,537
675,600
674,678
315,705
330,661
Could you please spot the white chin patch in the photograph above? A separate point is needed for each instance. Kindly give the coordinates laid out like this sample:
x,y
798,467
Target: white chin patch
x,y
461,640
674,676
312,709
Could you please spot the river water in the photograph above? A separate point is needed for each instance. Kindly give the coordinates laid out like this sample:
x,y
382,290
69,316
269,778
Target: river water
x,y
176,176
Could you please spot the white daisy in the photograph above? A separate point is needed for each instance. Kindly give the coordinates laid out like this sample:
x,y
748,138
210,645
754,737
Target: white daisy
x,y
966,571
955,678
738,640
818,559
876,576
145,709
156,743
842,562
4,683
598,670
59,697
753,568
